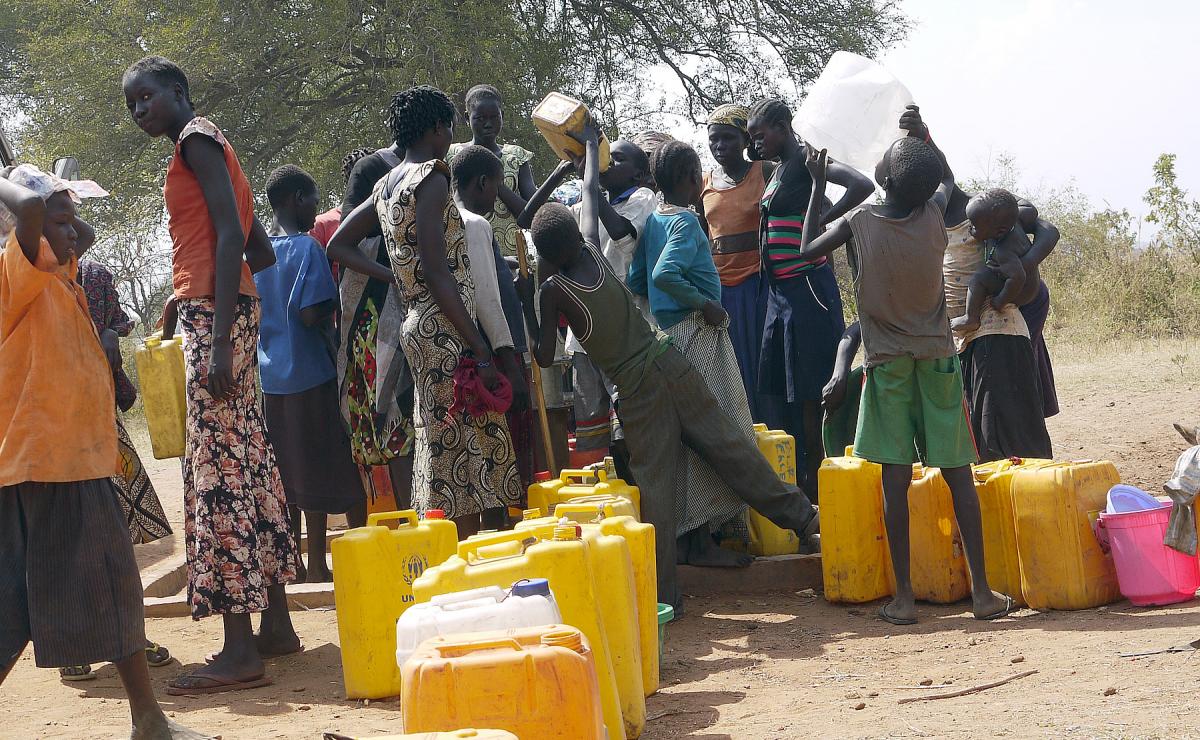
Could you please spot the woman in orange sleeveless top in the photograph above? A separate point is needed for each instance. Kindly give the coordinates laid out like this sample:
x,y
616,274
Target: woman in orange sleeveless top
x,y
240,550
730,209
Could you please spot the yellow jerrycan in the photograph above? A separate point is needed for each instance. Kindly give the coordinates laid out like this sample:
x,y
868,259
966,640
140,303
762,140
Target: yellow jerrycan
x,y
855,564
615,585
545,495
597,506
503,558
161,377
766,539
1062,565
373,571
936,563
993,484
610,485
598,516
536,682
556,117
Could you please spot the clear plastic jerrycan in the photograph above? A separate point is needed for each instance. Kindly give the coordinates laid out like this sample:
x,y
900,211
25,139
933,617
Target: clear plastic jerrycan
x,y
936,563
556,117
596,517
374,568
993,484
527,604
537,682
855,564
853,110
567,562
1062,564
161,377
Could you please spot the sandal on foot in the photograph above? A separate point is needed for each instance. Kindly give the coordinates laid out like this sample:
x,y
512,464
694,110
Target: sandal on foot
x,y
212,685
1009,607
76,673
898,621
157,655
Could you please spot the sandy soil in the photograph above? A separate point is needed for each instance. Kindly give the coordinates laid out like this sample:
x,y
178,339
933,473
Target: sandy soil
x,y
789,665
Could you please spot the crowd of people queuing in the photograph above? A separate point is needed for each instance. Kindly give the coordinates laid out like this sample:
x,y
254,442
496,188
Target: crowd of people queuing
x,y
391,332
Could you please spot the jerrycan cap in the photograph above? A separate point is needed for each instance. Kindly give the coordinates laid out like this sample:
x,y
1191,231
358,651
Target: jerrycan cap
x,y
541,476
531,587
568,532
528,514
435,514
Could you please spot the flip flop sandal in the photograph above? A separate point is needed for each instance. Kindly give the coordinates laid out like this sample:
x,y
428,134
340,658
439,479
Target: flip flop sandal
x,y
157,655
898,621
1010,606
213,685
77,673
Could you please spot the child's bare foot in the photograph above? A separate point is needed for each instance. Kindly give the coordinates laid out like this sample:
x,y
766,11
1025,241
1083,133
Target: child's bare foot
x,y
993,606
899,611
964,324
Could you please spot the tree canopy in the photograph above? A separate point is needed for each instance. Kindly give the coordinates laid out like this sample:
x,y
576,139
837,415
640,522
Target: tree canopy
x,y
305,81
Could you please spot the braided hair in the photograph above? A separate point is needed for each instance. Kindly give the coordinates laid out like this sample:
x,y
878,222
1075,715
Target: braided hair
x,y
352,158
287,180
163,70
669,161
474,161
479,93
915,170
771,111
416,110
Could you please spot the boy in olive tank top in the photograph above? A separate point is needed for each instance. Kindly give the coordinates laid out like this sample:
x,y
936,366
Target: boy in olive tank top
x,y
912,405
664,402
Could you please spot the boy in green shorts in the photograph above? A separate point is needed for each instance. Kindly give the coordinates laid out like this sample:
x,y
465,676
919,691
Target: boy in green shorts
x,y
912,405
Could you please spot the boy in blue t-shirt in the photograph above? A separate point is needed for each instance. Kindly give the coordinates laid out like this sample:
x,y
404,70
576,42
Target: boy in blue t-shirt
x,y
299,377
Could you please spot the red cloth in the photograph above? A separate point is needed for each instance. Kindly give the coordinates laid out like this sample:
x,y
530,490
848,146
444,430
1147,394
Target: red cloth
x,y
473,397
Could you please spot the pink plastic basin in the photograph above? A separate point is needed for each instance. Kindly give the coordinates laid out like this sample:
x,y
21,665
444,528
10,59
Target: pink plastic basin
x,y
1148,572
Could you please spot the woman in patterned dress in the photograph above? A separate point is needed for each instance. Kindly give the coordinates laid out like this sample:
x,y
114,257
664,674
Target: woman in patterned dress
x,y
463,464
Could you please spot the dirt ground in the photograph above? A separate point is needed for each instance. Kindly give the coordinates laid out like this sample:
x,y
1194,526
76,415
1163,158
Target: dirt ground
x,y
790,665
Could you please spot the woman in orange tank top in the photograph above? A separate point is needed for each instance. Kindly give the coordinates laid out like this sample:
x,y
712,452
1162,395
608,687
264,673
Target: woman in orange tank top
x,y
730,212
240,550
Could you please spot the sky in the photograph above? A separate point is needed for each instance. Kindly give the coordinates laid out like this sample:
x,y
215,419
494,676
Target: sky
x,y
1091,91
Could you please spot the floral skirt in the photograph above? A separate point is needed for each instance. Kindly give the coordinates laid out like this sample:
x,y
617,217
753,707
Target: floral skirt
x,y
235,515
375,438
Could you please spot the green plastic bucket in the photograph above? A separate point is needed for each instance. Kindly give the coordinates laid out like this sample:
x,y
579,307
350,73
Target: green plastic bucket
x,y
665,614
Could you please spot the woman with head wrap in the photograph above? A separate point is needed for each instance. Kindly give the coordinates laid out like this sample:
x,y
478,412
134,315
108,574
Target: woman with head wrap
x,y
730,210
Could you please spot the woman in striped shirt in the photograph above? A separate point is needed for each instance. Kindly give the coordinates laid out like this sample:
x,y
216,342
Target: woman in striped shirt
x,y
804,310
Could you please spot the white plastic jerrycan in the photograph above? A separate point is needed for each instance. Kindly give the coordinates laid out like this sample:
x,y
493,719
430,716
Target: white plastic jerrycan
x,y
852,110
529,603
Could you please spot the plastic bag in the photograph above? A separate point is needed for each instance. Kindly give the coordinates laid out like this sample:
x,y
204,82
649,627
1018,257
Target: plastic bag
x,y
852,110
1182,489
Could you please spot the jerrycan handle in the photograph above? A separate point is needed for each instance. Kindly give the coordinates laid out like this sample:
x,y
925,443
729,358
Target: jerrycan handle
x,y
469,549
581,476
406,517
473,646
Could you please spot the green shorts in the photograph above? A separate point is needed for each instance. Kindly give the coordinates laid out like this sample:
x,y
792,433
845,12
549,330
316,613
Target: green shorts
x,y
915,410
